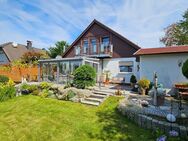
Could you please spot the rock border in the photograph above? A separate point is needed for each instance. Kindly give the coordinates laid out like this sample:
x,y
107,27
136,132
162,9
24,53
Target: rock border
x,y
148,122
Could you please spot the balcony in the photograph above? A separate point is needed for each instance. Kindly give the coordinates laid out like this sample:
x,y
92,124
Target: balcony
x,y
98,50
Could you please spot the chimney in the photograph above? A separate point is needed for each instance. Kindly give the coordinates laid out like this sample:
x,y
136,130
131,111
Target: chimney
x,y
29,44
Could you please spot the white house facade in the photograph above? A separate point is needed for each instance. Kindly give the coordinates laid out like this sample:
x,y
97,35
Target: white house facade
x,y
167,65
121,68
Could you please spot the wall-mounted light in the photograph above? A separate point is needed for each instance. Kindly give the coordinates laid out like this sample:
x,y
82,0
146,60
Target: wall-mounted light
x,y
180,62
138,67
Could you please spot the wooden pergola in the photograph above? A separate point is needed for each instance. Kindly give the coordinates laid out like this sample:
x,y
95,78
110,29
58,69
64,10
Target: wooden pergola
x,y
59,70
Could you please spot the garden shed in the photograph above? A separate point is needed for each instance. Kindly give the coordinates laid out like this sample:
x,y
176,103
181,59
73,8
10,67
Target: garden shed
x,y
59,70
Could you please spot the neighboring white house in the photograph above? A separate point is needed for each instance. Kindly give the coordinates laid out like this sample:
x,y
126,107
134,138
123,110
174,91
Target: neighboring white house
x,y
166,61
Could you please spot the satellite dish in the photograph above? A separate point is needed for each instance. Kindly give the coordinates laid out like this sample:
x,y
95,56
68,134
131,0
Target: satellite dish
x,y
14,44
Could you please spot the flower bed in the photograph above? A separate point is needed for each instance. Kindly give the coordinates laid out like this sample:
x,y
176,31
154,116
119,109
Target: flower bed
x,y
49,90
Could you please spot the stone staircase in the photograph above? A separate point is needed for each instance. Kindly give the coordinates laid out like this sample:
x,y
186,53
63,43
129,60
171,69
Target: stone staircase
x,y
97,97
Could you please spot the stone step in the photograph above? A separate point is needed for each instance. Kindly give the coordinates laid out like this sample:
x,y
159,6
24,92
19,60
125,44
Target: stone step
x,y
98,96
90,102
94,99
101,93
105,92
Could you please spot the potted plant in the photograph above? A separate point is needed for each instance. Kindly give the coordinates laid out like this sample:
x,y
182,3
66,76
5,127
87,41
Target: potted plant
x,y
107,77
143,85
133,80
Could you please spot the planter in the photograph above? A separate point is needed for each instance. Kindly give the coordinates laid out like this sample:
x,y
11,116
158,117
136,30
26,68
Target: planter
x,y
160,100
106,82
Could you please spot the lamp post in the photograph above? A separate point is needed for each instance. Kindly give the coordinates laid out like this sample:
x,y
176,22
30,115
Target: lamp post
x,y
155,89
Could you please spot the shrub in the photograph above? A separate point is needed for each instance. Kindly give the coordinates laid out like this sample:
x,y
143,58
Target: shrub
x,y
10,82
45,85
35,92
7,92
3,79
70,95
44,93
144,83
185,69
133,79
84,76
68,85
27,89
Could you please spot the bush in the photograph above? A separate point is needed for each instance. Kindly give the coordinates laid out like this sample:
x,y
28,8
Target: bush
x,y
7,92
3,79
144,83
27,89
35,92
84,76
133,79
70,95
45,85
68,85
185,69
44,93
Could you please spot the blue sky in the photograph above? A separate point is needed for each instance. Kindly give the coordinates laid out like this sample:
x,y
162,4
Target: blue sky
x,y
47,21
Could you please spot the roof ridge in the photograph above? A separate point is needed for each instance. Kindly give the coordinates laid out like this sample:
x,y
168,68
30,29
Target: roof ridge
x,y
4,44
107,28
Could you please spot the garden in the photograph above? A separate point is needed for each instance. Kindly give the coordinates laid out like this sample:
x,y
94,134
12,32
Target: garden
x,y
48,111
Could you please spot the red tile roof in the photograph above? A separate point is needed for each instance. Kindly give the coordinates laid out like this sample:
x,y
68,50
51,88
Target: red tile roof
x,y
162,50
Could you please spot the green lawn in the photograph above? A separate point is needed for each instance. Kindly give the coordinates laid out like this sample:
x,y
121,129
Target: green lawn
x,y
35,118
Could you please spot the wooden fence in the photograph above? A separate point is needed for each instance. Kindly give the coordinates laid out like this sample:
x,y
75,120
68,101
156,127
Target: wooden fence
x,y
17,73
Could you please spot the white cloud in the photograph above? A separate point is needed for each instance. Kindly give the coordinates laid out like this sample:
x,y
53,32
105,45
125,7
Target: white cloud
x,y
140,21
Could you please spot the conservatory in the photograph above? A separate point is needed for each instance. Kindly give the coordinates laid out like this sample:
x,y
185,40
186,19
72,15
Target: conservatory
x,y
59,70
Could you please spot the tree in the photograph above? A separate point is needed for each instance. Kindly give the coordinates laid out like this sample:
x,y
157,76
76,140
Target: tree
x,y
177,33
185,69
84,76
59,49
33,57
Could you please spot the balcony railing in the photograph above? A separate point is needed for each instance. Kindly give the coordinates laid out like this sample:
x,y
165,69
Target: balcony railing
x,y
95,50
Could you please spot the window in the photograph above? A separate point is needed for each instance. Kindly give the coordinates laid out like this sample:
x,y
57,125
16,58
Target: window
x,y
126,66
3,57
106,41
85,45
94,45
105,44
77,50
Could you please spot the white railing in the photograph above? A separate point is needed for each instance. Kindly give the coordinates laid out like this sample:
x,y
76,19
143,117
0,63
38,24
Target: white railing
x,y
96,49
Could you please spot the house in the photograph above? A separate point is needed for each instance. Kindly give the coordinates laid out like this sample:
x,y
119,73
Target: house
x,y
12,51
114,52
166,61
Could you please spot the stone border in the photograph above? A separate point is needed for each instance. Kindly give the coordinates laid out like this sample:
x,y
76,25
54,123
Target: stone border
x,y
147,122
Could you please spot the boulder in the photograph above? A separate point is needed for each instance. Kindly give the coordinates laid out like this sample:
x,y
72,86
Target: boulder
x,y
171,118
79,93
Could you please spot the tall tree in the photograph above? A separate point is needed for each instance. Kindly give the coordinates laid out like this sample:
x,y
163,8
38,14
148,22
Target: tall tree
x,y
59,49
177,34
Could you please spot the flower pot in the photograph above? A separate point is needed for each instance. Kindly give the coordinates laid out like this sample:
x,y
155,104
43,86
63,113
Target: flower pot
x,y
106,82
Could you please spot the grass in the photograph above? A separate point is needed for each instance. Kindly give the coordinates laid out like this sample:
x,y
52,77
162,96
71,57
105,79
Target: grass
x,y
34,118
